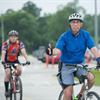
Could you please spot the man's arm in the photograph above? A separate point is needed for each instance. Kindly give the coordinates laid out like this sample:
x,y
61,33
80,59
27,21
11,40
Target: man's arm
x,y
95,52
56,51
3,55
24,54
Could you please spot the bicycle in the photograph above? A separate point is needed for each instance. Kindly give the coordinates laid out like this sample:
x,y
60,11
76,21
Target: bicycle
x,y
87,95
15,87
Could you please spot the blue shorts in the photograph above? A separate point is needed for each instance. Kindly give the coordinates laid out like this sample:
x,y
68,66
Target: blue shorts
x,y
67,74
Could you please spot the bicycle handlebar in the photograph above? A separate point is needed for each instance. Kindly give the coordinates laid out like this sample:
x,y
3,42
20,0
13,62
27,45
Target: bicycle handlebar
x,y
85,66
16,64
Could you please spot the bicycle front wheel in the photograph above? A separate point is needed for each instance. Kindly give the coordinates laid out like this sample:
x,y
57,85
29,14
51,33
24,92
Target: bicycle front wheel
x,y
11,88
92,96
61,96
18,94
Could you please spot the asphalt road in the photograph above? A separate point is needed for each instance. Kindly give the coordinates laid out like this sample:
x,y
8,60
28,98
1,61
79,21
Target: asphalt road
x,y
38,81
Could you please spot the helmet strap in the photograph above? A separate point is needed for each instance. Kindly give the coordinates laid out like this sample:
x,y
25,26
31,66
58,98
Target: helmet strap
x,y
76,33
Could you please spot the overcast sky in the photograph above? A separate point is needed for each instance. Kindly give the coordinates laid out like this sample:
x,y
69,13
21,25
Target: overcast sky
x,y
48,6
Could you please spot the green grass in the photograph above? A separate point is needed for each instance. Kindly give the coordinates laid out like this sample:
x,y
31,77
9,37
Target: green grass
x,y
97,77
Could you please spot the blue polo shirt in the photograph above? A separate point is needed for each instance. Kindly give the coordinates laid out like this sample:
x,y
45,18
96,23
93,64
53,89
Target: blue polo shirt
x,y
73,47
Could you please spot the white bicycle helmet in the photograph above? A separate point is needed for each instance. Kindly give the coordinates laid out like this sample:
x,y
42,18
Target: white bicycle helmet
x,y
13,32
75,16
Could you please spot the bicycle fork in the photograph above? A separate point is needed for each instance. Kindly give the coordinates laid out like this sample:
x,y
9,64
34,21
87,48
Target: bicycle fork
x,y
85,90
14,81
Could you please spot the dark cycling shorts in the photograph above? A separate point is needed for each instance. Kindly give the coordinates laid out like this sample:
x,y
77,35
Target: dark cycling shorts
x,y
16,61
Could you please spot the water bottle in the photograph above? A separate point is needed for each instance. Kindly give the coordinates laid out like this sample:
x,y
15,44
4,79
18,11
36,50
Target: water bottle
x,y
75,98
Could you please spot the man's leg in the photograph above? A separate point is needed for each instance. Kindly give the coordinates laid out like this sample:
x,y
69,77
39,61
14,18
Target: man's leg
x,y
66,80
91,80
19,70
68,93
6,80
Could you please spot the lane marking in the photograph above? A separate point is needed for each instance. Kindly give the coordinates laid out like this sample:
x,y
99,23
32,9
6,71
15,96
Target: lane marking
x,y
26,98
2,91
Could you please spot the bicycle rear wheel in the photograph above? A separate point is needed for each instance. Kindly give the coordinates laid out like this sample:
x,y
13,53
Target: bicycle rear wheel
x,y
92,96
18,94
61,96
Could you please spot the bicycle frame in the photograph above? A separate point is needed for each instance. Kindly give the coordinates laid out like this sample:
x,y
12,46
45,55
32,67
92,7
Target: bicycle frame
x,y
13,81
14,78
14,74
86,88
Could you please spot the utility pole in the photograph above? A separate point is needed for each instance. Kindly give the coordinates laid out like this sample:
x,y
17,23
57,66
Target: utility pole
x,y
96,25
2,26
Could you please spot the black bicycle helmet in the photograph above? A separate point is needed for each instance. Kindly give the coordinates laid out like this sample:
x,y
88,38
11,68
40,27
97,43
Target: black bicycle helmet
x,y
75,16
13,32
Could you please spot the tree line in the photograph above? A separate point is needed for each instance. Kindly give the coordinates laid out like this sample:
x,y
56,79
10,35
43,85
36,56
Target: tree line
x,y
35,30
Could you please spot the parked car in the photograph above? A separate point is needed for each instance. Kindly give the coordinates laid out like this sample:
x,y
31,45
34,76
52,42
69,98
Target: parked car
x,y
41,53
56,58
35,53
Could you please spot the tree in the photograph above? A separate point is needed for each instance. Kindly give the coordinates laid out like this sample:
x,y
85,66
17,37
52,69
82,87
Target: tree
x,y
88,24
9,11
26,25
58,23
31,8
75,6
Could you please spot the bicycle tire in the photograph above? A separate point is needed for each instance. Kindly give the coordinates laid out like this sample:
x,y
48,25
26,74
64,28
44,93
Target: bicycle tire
x,y
92,94
61,96
19,97
10,96
11,88
14,96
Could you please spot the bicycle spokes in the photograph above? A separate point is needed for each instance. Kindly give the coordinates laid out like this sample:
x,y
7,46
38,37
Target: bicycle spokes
x,y
18,89
91,97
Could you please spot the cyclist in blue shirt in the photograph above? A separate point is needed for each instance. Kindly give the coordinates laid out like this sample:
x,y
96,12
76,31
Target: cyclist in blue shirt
x,y
72,45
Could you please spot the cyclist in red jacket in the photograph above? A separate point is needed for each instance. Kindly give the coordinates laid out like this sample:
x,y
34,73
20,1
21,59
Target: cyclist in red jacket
x,y
10,52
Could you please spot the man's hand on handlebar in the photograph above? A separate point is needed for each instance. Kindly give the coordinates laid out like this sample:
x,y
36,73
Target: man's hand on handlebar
x,y
27,62
4,63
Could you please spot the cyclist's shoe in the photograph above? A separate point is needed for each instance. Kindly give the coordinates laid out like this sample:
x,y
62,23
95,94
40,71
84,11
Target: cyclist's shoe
x,y
7,93
17,86
79,96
